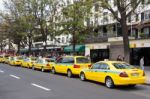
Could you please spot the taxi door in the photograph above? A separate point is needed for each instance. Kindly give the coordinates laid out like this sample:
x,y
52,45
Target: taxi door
x,y
58,65
101,72
38,64
90,74
63,65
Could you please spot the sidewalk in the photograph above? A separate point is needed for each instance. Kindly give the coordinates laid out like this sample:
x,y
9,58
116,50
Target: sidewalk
x,y
147,72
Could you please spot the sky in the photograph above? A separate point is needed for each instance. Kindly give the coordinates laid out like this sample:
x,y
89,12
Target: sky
x,y
1,5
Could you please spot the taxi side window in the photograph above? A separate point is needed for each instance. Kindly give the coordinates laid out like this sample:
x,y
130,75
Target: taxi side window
x,y
104,66
96,66
59,60
68,60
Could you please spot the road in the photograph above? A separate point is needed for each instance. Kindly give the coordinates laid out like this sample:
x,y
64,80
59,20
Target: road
x,y
23,83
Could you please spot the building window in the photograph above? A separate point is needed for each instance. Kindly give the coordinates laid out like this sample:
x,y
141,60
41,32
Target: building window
x,y
105,17
142,16
147,15
129,19
63,39
146,31
137,17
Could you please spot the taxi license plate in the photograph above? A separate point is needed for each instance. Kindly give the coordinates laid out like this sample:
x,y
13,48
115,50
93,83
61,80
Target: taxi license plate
x,y
135,74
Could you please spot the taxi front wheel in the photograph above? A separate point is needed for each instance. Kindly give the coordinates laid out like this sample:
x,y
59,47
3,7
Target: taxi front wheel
x,y
33,68
53,70
69,73
42,69
82,76
109,82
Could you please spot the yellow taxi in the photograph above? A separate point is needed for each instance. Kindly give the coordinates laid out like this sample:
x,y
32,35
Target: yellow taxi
x,y
43,64
7,59
1,58
114,73
16,61
28,62
71,65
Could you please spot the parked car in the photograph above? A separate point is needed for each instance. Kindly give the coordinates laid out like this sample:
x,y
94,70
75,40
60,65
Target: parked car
x,y
113,73
7,59
28,62
1,59
16,61
43,64
71,65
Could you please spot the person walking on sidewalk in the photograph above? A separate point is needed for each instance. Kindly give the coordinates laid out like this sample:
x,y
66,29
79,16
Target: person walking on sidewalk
x,y
142,63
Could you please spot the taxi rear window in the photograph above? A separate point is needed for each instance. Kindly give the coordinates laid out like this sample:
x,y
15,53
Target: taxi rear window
x,y
82,60
123,66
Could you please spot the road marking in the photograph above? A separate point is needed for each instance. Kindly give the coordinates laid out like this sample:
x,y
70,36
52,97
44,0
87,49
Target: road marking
x,y
1,71
14,76
36,85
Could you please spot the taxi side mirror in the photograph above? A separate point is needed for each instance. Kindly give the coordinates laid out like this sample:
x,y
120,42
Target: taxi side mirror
x,y
108,68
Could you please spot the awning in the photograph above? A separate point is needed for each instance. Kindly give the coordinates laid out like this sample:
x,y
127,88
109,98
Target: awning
x,y
78,48
23,50
26,50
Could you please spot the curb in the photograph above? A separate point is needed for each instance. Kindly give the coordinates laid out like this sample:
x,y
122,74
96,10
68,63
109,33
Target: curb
x,y
147,84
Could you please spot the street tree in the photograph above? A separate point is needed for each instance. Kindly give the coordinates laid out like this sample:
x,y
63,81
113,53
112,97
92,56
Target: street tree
x,y
75,16
14,19
47,18
121,10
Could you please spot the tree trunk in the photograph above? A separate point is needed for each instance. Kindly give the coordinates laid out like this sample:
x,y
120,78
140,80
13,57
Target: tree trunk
x,y
125,39
18,48
30,44
74,43
45,46
1,47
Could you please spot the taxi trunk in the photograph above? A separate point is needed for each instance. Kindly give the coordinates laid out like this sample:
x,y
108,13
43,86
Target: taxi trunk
x,y
131,76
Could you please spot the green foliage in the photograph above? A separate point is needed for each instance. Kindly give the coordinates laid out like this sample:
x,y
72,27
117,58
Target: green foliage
x,y
75,16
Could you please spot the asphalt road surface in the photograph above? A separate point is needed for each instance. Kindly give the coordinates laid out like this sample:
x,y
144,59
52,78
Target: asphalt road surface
x,y
23,83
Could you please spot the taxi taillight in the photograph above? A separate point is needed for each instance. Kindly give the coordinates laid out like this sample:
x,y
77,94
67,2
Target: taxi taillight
x,y
89,65
123,74
143,73
76,66
47,65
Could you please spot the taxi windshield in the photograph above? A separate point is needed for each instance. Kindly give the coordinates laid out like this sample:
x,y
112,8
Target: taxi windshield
x,y
27,59
19,58
82,60
43,61
50,60
123,66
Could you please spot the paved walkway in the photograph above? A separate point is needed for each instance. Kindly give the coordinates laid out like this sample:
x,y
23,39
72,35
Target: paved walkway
x,y
147,72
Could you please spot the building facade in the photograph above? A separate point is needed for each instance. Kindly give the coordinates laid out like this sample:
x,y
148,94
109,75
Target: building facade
x,y
108,44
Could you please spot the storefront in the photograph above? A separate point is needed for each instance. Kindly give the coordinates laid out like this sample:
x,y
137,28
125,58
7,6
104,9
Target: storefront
x,y
97,52
139,49
79,49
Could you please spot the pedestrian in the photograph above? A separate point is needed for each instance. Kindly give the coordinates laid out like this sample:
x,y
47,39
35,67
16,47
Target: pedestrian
x,y
119,58
142,62
88,56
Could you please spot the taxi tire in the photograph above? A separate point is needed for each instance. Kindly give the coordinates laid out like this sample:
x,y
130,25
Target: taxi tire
x,y
69,73
53,70
42,69
28,66
33,68
82,76
109,82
